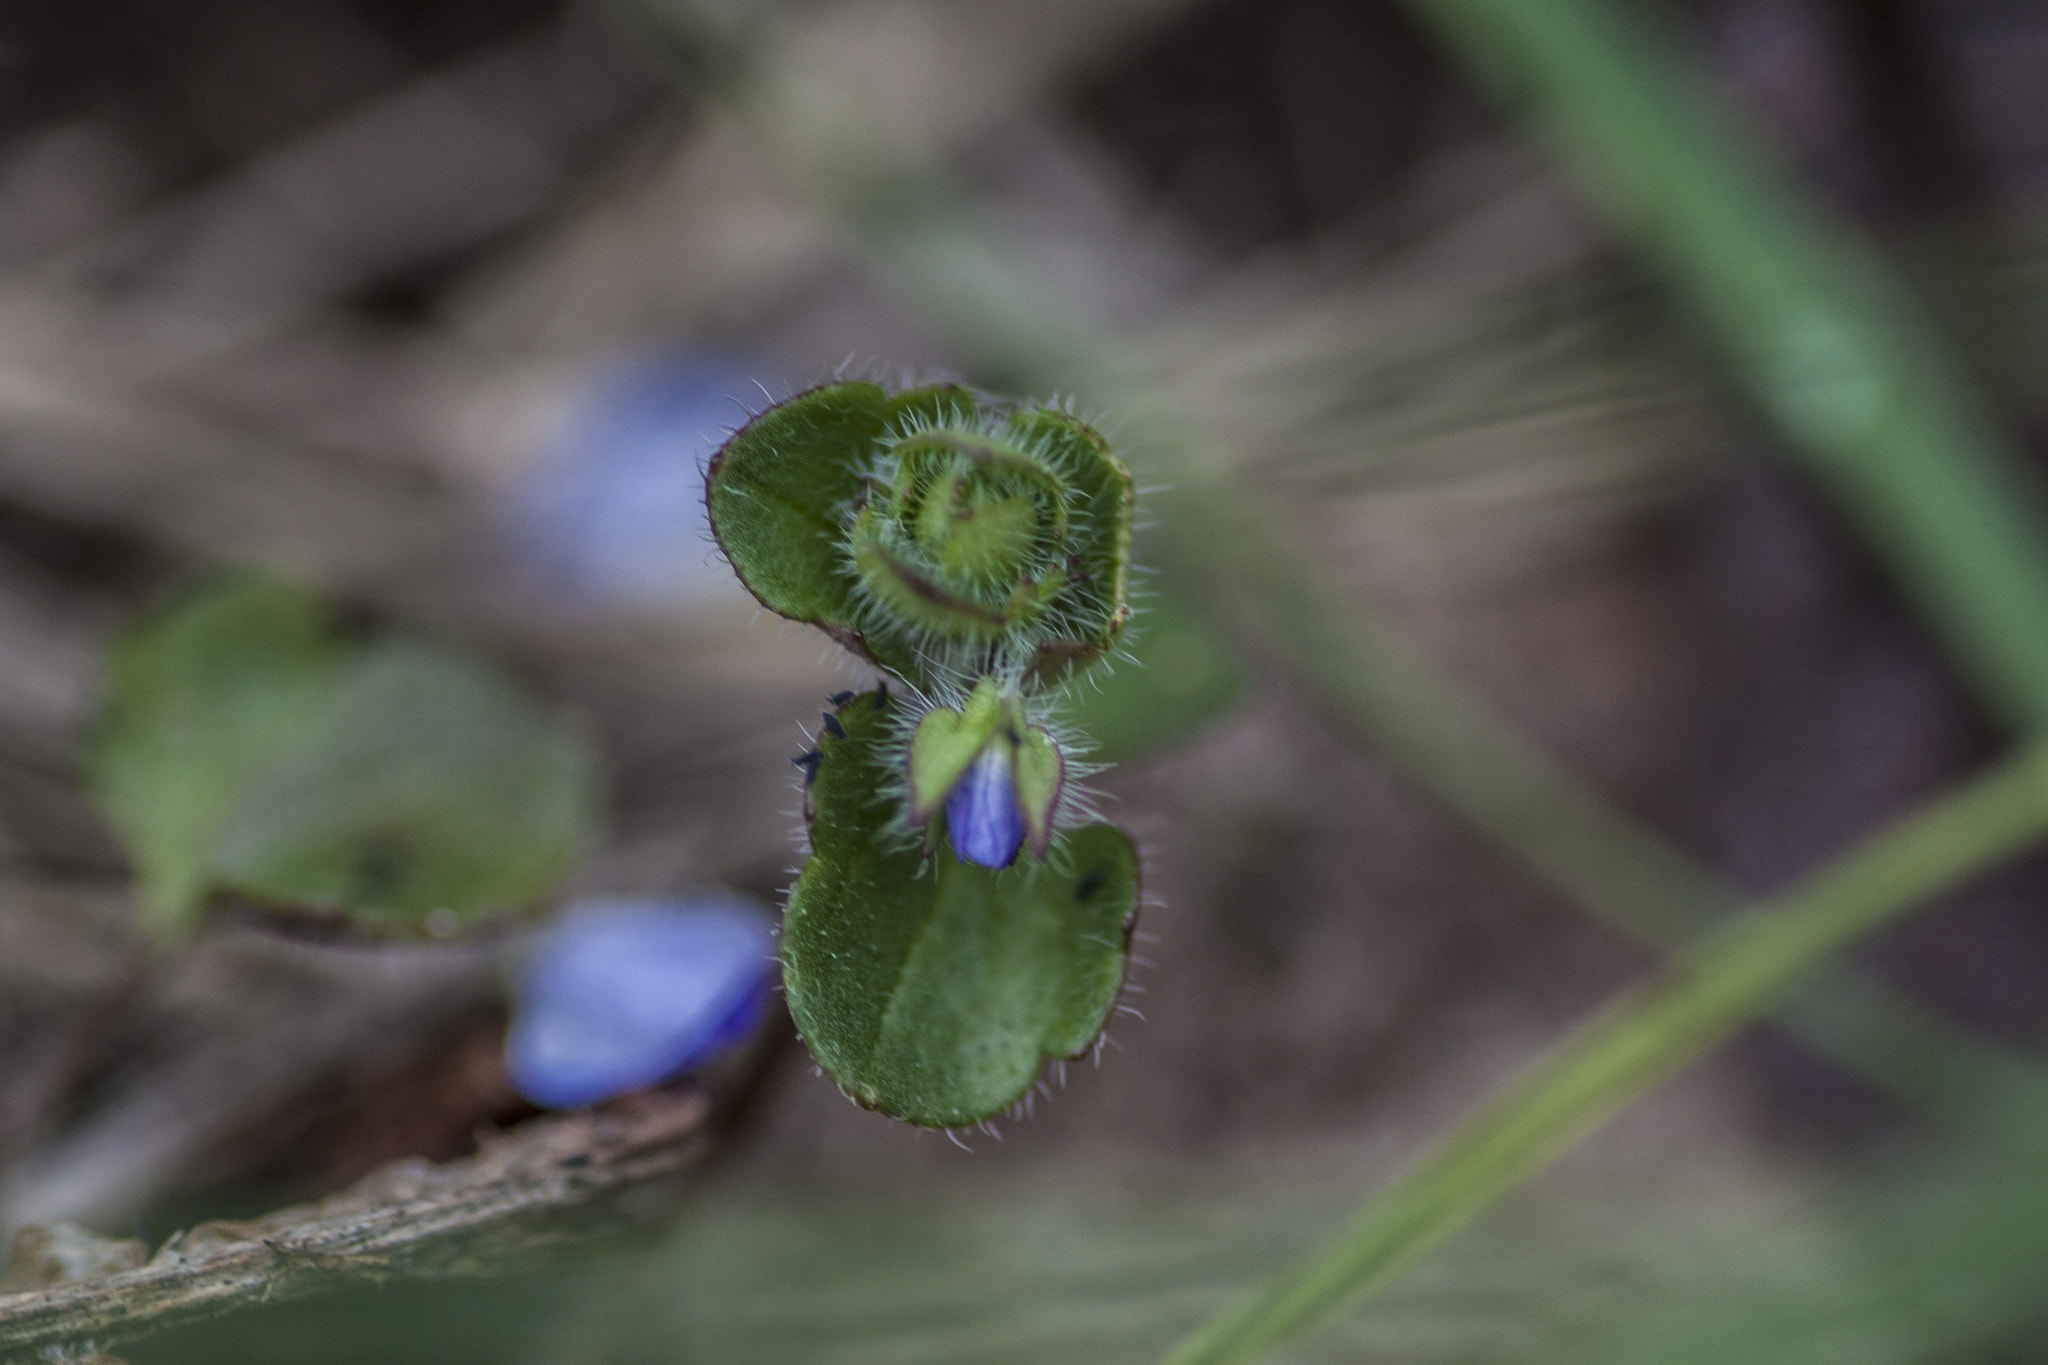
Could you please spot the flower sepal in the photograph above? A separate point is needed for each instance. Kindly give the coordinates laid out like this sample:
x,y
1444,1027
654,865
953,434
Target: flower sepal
x,y
997,777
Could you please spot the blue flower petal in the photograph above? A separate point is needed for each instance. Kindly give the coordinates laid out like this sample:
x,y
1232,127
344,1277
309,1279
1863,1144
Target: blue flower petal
x,y
613,511
983,816
620,994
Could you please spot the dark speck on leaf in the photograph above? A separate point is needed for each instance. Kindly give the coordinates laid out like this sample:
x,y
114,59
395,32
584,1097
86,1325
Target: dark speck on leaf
x,y
840,698
380,866
809,761
881,695
576,1160
833,727
1088,886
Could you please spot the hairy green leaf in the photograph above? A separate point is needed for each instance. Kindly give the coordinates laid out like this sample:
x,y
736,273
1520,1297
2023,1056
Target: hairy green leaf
x,y
934,990
1183,674
1096,607
933,540
782,488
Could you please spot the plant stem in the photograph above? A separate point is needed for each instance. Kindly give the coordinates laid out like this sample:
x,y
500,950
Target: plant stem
x,y
1811,322
534,1186
1735,972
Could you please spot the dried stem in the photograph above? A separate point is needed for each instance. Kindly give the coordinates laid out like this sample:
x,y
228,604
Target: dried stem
x,y
543,1182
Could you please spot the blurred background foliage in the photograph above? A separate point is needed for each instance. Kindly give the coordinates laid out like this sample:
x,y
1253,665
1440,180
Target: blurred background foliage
x,y
247,747
435,308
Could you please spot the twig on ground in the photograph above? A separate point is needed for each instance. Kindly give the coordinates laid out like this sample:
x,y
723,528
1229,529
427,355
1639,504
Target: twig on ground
x,y
543,1182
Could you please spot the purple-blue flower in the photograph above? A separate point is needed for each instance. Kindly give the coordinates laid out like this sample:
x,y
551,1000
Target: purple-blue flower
x,y
613,510
984,818
621,993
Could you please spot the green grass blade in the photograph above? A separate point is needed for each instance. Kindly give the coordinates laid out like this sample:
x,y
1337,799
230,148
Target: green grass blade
x,y
1734,973
1813,324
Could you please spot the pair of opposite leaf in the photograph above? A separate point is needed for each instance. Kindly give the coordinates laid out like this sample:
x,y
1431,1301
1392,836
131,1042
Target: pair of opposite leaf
x,y
958,921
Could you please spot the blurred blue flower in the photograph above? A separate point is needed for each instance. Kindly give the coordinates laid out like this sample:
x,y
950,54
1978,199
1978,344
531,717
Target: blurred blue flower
x,y
984,819
621,993
616,509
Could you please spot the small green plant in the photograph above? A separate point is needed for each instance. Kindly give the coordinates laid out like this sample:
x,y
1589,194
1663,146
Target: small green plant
x,y
962,916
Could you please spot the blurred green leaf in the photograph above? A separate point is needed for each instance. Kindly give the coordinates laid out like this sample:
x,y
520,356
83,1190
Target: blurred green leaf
x,y
491,1320
1942,1259
428,784
1107,1267
933,989
998,1265
201,699
246,746
1183,674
